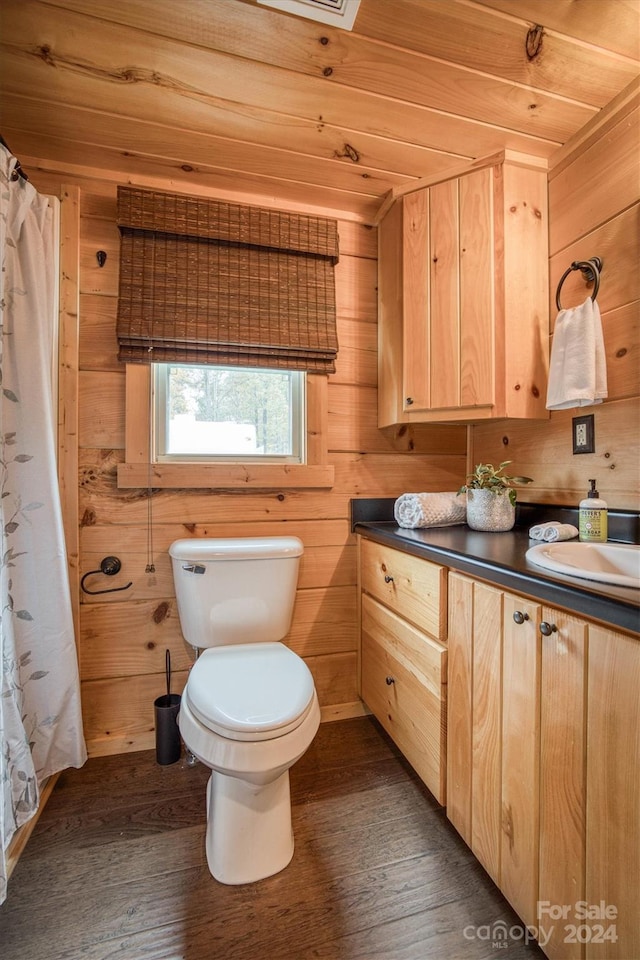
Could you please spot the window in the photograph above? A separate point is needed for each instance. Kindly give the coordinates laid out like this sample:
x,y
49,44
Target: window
x,y
247,292
139,470
228,414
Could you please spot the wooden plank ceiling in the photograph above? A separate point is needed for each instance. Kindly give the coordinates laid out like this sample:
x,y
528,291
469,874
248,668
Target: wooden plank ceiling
x,y
237,97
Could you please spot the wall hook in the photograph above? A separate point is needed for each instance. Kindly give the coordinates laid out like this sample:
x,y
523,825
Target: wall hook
x,y
101,257
109,566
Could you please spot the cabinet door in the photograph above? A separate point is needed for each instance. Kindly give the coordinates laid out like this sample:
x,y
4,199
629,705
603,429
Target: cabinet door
x,y
562,773
487,733
613,789
520,756
474,696
459,704
449,300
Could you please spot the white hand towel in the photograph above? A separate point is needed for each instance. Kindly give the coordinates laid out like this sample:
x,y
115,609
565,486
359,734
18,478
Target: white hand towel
x,y
430,509
552,531
577,369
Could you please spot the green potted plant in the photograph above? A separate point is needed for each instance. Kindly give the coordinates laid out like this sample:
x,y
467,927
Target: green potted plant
x,y
491,497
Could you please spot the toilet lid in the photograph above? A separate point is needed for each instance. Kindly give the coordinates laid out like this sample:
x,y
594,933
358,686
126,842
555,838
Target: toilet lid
x,y
250,691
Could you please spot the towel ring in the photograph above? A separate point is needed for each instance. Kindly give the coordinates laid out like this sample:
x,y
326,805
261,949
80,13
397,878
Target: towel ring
x,y
590,270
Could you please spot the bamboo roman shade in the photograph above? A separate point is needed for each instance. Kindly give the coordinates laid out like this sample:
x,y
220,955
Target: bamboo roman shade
x,y
208,282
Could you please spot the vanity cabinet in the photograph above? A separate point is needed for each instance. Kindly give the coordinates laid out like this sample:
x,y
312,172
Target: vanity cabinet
x,y
403,657
543,774
463,315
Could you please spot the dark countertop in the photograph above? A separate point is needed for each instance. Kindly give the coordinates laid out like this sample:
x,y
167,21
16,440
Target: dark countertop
x,y
500,558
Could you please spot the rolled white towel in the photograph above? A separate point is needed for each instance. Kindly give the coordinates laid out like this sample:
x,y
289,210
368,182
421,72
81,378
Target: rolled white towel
x,y
430,509
552,531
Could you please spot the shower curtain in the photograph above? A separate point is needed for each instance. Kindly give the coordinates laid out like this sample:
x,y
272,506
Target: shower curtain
x,y
40,718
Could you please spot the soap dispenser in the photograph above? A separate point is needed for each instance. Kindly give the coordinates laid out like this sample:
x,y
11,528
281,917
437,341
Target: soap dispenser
x,y
593,517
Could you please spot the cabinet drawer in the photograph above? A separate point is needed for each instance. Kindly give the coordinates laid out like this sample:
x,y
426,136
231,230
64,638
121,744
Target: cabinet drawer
x,y
412,705
412,587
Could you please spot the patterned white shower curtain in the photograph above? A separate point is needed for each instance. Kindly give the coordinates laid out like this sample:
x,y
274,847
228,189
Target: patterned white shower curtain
x,y
40,718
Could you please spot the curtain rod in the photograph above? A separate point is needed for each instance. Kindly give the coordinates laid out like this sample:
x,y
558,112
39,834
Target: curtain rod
x,y
17,170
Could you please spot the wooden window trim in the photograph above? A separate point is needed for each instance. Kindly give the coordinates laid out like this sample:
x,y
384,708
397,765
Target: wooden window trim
x,y
138,472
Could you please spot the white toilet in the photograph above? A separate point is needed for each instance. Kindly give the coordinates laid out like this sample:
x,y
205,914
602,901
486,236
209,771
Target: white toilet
x,y
249,709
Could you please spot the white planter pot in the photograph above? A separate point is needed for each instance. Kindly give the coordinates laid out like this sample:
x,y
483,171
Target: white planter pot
x,y
490,511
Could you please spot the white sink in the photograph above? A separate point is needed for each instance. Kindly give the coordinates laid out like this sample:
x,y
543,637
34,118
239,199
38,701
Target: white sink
x,y
617,563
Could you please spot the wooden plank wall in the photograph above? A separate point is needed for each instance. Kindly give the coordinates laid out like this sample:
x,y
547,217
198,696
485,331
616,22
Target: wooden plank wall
x,y
123,636
594,210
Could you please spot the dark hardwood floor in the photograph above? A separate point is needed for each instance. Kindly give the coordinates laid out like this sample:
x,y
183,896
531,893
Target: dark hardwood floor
x,y
116,869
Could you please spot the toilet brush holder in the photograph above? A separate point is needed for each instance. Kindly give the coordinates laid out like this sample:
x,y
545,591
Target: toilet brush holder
x,y
166,707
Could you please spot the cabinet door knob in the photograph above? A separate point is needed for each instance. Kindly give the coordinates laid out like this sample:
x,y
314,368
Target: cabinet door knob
x,y
546,629
409,401
388,579
520,617
389,681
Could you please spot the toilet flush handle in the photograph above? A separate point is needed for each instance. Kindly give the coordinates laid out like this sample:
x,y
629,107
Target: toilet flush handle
x,y
193,567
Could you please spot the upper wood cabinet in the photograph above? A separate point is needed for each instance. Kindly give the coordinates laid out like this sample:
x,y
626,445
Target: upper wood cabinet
x,y
463,299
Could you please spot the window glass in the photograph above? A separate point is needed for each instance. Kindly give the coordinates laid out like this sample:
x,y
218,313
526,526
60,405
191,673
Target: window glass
x,y
228,413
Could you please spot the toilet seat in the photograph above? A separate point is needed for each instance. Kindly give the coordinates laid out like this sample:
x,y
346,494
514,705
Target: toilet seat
x,y
250,691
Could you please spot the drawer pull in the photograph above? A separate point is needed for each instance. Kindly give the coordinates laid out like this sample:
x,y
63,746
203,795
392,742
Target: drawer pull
x,y
546,629
389,681
520,617
388,579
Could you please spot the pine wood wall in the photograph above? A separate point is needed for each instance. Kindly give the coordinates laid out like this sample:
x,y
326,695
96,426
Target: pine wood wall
x,y
593,211
123,636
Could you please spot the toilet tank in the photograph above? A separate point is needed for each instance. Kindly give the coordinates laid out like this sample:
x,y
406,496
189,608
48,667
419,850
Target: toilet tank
x,y
235,590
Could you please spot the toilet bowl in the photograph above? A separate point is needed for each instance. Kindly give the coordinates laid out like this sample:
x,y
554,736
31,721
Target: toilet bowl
x,y
249,832
249,710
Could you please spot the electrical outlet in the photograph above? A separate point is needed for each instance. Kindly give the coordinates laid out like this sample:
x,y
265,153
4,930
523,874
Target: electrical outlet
x,y
584,440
